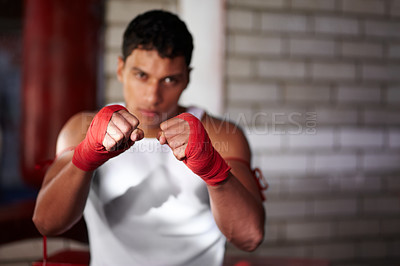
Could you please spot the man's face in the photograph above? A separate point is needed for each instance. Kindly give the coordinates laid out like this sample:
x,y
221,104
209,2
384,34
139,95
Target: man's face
x,y
152,85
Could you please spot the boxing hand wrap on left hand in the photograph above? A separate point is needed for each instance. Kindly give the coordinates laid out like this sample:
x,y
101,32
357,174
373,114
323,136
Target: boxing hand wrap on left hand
x,y
201,157
90,153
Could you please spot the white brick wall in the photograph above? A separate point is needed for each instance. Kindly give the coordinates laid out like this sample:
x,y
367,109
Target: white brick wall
x,y
361,138
335,207
376,7
362,49
256,45
335,25
362,94
334,71
305,231
326,5
272,22
333,193
315,47
281,69
306,93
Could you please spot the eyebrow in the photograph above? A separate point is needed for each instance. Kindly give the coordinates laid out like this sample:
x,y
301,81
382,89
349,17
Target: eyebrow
x,y
176,75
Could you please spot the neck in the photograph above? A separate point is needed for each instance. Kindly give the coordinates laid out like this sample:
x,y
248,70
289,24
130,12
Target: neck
x,y
150,132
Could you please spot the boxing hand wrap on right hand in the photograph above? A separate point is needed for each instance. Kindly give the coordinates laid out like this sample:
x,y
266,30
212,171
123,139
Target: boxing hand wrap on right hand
x,y
201,157
90,153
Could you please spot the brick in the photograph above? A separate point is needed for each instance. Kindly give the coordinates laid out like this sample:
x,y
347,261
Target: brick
x,y
333,25
349,94
394,138
240,20
272,231
286,209
285,251
282,69
393,183
382,29
323,138
328,163
313,230
383,204
381,161
254,92
113,37
263,141
256,45
335,207
125,11
306,186
373,249
359,183
391,226
361,138
111,63
387,72
238,67
283,23
334,251
394,8
304,93
362,49
239,115
312,47
358,228
336,116
393,248
335,71
376,7
381,117
113,91
285,164
393,95
259,3
286,120
394,51
326,5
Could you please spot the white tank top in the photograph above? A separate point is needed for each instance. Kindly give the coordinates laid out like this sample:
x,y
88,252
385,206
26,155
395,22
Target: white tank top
x,y
147,208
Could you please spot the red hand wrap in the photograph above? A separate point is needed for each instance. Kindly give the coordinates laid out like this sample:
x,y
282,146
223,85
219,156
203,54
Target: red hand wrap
x,y
201,157
90,153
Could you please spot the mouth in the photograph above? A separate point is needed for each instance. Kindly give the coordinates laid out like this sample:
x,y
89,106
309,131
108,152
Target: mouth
x,y
148,113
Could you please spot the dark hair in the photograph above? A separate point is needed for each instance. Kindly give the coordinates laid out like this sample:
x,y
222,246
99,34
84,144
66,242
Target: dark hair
x,y
159,30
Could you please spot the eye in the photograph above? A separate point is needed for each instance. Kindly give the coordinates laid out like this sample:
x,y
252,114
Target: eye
x,y
170,80
140,75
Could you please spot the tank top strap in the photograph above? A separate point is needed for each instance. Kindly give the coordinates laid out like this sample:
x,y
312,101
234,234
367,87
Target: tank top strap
x,y
196,111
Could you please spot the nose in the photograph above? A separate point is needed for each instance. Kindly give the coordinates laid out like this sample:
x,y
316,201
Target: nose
x,y
153,93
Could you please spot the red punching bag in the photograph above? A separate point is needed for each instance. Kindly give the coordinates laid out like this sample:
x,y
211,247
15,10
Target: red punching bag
x,y
62,43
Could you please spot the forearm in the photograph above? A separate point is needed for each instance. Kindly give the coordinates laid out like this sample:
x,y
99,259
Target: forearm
x,y
238,214
61,200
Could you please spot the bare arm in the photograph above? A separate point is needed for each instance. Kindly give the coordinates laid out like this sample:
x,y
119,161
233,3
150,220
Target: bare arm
x,y
65,188
235,201
236,204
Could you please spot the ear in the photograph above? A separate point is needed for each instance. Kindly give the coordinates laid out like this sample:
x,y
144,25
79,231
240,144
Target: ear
x,y
120,69
188,76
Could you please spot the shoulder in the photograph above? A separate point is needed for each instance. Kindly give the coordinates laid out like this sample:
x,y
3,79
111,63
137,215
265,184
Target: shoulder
x,y
227,138
74,130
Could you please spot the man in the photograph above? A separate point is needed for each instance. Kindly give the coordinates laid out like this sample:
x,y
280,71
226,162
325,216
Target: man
x,y
147,178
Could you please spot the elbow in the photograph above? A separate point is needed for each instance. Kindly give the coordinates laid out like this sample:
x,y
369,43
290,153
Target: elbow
x,y
249,241
40,225
254,241
43,226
